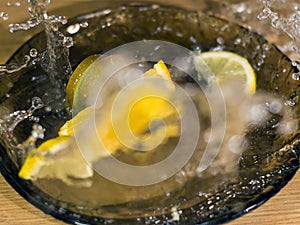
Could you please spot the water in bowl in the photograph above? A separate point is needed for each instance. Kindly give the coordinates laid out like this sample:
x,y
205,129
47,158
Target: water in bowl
x,y
268,161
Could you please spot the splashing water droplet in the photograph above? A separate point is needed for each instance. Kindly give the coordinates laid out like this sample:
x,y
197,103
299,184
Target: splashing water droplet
x,y
37,131
13,119
68,42
73,29
4,15
220,41
57,44
296,76
289,25
290,103
84,24
37,103
12,68
238,41
33,53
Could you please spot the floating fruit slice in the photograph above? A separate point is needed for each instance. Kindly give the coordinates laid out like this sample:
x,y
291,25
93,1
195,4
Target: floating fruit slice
x,y
228,66
56,158
76,77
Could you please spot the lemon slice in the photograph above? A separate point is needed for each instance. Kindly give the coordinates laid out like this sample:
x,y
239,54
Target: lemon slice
x,y
228,66
56,158
76,77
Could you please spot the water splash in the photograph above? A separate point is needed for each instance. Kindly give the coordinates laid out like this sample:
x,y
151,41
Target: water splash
x,y
13,119
15,67
8,123
17,4
38,132
290,25
56,59
4,15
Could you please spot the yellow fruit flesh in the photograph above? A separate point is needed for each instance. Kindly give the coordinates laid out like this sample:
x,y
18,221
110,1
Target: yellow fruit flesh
x,y
55,157
228,66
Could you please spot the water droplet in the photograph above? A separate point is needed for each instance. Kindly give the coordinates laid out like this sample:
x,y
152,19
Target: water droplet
x,y
296,76
220,41
193,39
266,47
37,103
179,34
68,42
33,53
155,6
10,84
4,15
290,103
48,109
84,24
38,131
295,63
237,41
73,29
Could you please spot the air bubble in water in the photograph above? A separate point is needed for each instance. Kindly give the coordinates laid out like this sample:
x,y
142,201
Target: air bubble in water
x,y
236,144
275,106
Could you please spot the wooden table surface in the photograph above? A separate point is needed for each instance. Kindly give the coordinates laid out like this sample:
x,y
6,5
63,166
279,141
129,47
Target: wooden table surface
x,y
284,208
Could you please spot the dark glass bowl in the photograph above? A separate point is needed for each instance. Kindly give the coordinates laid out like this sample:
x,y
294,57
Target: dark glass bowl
x,y
264,168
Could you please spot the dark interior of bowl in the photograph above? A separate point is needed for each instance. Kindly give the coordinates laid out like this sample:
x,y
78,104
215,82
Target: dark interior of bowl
x,y
264,168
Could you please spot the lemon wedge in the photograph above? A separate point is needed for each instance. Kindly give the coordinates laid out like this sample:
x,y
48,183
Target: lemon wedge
x,y
229,66
56,158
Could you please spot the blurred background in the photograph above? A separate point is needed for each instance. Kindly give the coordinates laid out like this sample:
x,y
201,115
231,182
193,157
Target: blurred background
x,y
244,12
